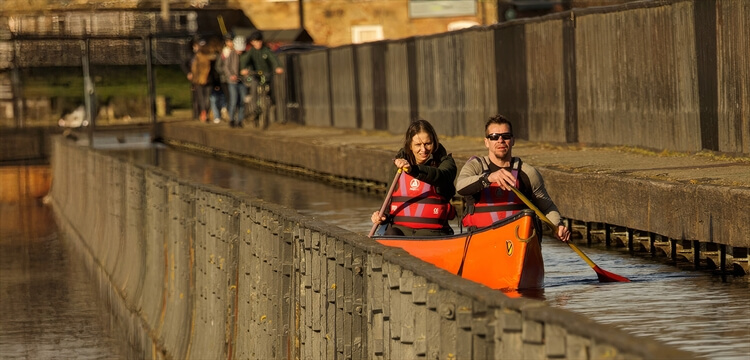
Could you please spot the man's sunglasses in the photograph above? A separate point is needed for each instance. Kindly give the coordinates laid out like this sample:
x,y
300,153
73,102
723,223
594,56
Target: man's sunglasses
x,y
496,136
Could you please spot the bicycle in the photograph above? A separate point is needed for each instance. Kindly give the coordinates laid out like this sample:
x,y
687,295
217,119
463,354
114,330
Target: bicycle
x,y
258,100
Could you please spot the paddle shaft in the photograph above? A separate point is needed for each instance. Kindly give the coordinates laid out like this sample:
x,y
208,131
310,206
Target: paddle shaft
x,y
575,248
386,202
552,226
533,207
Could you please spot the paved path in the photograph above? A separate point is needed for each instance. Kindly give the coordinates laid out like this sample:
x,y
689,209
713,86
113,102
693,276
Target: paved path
x,y
702,168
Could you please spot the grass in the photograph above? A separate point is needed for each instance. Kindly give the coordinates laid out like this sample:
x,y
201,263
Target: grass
x,y
109,82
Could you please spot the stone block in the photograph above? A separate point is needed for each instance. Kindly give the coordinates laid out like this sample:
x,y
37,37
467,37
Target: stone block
x,y
533,332
554,339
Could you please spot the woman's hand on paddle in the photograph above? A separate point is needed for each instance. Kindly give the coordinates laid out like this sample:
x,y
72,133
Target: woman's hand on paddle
x,y
502,178
374,218
402,164
563,234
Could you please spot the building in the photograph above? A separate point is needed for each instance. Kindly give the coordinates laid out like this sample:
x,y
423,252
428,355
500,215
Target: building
x,y
340,22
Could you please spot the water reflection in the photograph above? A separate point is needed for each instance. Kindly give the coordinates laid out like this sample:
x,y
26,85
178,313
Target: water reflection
x,y
49,308
690,310
321,201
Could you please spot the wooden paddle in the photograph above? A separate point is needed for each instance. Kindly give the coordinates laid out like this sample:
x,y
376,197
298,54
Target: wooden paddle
x,y
603,275
385,203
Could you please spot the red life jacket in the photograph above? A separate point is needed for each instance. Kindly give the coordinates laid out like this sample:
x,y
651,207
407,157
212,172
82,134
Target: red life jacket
x,y
417,205
494,203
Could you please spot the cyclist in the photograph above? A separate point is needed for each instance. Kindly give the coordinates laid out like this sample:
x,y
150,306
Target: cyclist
x,y
260,59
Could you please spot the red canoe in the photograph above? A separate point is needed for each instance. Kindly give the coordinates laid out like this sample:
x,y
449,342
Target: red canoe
x,y
504,256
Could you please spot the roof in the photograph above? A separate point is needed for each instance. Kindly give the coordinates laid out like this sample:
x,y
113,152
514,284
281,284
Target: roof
x,y
284,36
210,21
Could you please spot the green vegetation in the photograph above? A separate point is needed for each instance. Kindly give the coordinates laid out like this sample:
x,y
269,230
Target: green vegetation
x,y
109,82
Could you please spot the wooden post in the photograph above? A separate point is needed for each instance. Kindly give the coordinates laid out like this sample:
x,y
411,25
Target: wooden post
x,y
151,85
16,86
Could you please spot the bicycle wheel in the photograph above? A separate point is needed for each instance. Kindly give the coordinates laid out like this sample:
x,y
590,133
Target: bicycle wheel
x,y
264,102
251,107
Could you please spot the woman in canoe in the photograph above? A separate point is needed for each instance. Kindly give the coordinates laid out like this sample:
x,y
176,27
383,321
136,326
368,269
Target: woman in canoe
x,y
421,198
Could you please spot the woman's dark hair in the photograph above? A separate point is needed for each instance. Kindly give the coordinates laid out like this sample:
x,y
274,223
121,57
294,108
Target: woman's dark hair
x,y
416,127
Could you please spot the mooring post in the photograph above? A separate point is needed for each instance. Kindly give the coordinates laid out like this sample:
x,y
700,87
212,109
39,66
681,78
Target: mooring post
x,y
630,241
607,235
652,243
723,261
697,254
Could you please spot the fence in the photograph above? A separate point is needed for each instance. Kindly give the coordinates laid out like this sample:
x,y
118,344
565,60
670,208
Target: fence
x,y
665,74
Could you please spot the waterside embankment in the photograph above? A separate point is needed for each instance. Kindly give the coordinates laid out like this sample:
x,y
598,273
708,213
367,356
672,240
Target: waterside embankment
x,y
689,208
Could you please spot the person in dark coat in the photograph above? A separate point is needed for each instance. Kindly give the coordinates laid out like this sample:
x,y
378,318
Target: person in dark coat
x,y
259,59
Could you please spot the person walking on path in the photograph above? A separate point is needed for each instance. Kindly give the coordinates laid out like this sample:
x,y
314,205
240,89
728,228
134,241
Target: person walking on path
x,y
200,70
187,67
485,182
219,91
421,201
237,89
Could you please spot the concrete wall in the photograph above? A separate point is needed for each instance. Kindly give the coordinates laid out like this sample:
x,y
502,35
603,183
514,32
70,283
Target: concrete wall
x,y
198,272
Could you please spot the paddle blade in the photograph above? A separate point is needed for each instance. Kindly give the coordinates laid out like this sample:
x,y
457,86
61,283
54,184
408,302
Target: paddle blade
x,y
603,275
606,276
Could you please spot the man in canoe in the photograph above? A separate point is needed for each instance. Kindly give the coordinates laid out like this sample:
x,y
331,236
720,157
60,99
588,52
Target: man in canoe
x,y
421,194
485,182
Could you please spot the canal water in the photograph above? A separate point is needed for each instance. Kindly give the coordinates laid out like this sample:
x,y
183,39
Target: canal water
x,y
48,306
693,311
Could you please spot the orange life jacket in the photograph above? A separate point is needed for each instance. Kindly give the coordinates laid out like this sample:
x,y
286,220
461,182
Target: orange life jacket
x,y
417,205
494,203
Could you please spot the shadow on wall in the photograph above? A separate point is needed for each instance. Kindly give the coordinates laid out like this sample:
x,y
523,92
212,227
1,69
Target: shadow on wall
x,y
515,9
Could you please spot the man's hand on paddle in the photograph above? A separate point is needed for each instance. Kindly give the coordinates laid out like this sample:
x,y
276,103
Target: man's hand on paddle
x,y
502,178
563,234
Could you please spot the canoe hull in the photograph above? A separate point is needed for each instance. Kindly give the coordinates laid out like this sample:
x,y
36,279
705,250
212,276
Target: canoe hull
x,y
505,256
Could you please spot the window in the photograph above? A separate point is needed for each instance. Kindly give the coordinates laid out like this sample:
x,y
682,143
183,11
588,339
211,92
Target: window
x,y
366,33
441,8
